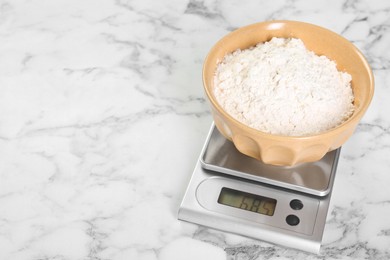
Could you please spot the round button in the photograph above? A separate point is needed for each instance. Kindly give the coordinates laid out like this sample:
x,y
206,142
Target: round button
x,y
296,204
292,220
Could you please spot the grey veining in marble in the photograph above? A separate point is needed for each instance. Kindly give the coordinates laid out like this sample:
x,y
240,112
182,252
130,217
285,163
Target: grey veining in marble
x,y
103,115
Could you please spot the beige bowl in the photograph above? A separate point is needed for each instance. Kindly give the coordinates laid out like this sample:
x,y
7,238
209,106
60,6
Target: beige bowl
x,y
290,150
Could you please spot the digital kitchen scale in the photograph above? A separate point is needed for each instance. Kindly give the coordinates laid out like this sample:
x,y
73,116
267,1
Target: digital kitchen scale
x,y
232,192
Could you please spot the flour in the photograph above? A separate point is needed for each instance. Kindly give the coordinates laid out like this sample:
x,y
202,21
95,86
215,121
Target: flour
x,y
280,87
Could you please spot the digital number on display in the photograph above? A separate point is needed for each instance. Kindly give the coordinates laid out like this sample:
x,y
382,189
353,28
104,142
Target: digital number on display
x,y
247,201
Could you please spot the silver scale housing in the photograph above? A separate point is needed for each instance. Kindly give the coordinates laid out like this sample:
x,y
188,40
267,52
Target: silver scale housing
x,y
221,165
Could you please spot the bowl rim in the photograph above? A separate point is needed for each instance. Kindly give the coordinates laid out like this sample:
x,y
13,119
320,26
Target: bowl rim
x,y
330,132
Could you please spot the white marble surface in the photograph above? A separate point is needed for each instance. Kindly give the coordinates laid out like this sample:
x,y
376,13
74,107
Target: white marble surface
x,y
102,117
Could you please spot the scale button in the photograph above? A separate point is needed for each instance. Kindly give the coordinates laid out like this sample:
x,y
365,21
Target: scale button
x,y
296,204
292,220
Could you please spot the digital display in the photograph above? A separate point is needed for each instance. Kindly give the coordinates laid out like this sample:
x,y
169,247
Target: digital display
x,y
247,201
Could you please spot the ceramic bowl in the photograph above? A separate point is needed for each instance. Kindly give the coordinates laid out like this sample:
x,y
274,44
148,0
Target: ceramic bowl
x,y
290,150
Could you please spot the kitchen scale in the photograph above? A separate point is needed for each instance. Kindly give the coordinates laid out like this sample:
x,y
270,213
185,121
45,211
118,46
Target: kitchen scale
x,y
285,205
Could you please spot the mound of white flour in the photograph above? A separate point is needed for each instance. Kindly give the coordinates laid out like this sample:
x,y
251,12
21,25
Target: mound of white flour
x,y
280,87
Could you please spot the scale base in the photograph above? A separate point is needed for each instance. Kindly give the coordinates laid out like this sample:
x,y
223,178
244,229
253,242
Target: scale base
x,y
200,206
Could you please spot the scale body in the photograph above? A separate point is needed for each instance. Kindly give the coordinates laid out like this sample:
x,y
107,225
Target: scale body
x,y
232,192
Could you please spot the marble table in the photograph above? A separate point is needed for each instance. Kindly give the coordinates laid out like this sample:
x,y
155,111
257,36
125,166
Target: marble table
x,y
103,115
